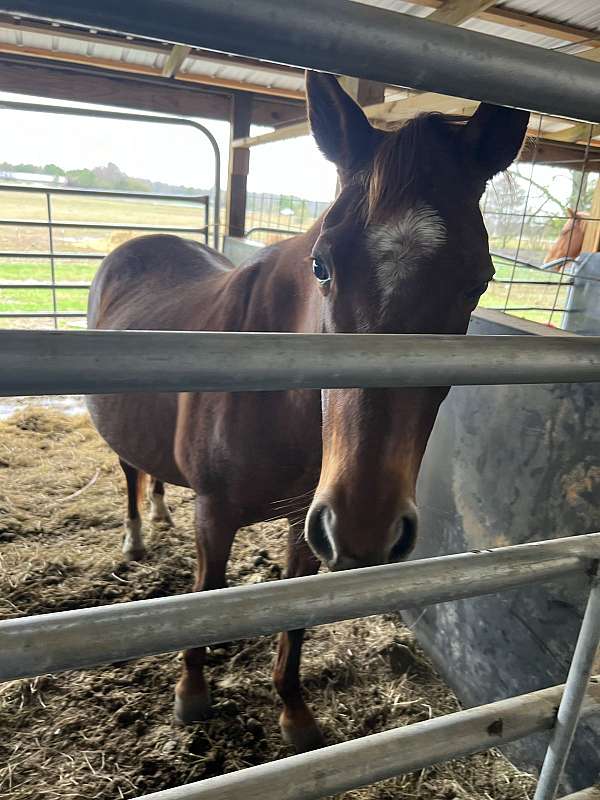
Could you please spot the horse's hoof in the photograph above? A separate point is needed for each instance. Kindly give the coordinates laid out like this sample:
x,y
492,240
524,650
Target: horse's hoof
x,y
135,554
161,518
159,511
192,708
301,737
133,541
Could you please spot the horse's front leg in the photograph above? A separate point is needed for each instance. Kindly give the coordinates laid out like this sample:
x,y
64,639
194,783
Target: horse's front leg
x,y
214,536
298,726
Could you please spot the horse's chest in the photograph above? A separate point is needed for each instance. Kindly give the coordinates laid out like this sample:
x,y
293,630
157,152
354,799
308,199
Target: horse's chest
x,y
252,437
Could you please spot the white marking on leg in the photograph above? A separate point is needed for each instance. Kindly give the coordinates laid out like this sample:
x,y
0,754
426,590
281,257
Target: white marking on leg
x,y
133,540
159,511
398,247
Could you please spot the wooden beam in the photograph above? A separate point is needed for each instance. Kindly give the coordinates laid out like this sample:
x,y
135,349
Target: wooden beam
x,y
576,133
560,154
175,59
530,23
46,78
541,25
239,162
242,86
455,12
140,69
389,111
147,46
591,55
365,93
278,135
396,110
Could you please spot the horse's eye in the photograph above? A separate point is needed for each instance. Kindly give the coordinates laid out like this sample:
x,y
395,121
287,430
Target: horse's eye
x,y
475,293
320,270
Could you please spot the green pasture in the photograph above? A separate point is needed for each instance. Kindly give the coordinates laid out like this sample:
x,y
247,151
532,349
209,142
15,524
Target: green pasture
x,y
87,241
40,300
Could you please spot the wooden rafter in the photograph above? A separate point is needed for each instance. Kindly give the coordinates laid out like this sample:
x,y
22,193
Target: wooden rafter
x,y
175,59
576,133
144,45
43,77
455,12
399,109
389,111
529,22
141,69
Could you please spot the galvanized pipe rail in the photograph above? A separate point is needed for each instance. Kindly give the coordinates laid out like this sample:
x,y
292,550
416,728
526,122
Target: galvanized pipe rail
x,y
571,702
52,255
384,755
91,636
352,39
128,116
88,362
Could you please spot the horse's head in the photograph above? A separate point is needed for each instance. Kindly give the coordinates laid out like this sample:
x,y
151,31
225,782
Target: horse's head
x,y
570,240
403,249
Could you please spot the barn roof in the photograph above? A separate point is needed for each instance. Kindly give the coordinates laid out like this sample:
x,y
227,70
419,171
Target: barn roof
x,y
571,27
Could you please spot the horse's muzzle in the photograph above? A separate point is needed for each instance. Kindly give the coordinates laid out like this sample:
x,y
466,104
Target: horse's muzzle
x,y
340,547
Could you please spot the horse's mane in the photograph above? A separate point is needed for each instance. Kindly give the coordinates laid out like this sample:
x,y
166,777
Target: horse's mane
x,y
400,158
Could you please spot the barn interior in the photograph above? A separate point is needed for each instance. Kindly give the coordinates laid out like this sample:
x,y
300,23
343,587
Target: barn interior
x,y
108,732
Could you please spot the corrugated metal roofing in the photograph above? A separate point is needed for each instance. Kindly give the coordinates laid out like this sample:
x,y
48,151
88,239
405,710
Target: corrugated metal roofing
x,y
580,13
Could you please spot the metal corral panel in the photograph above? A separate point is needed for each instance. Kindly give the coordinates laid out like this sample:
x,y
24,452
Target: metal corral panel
x,y
506,465
239,250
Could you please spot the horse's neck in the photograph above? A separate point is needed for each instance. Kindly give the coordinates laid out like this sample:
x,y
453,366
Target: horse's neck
x,y
277,289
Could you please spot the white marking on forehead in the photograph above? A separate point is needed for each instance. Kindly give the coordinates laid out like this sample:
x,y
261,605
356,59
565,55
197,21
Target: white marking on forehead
x,y
397,247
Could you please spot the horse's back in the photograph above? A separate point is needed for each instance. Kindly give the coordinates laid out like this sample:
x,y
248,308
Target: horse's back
x,y
154,282
145,282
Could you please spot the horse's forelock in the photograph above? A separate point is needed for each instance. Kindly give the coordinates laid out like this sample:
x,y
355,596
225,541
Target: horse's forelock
x,y
398,162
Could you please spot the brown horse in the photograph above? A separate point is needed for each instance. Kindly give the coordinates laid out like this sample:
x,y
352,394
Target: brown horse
x,y
403,249
570,240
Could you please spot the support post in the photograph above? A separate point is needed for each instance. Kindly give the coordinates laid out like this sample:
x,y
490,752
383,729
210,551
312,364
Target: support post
x,y
239,162
573,697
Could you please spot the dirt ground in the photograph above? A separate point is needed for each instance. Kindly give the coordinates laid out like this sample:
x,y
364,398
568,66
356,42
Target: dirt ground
x,y
108,732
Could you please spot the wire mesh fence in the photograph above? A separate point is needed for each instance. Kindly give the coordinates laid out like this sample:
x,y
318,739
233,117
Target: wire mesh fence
x,y
546,206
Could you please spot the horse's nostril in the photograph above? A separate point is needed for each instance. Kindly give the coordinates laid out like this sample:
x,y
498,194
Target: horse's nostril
x,y
318,532
407,538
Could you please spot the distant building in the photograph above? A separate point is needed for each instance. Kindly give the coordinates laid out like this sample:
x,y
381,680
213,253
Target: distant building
x,y
33,177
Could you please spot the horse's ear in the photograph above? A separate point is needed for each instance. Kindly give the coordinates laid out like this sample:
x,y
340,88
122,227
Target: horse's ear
x,y
341,130
570,213
494,135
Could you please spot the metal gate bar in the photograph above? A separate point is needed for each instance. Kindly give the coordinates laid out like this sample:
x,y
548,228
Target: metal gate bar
x,y
369,759
570,705
201,201
91,636
352,39
89,362
16,105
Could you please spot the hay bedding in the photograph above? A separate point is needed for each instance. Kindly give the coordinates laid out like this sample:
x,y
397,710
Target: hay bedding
x,y
109,733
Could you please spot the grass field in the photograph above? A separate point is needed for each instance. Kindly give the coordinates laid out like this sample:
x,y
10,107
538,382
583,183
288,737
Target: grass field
x,y
24,238
30,239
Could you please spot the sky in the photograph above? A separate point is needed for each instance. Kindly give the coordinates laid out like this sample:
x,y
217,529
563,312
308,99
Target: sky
x,y
162,153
